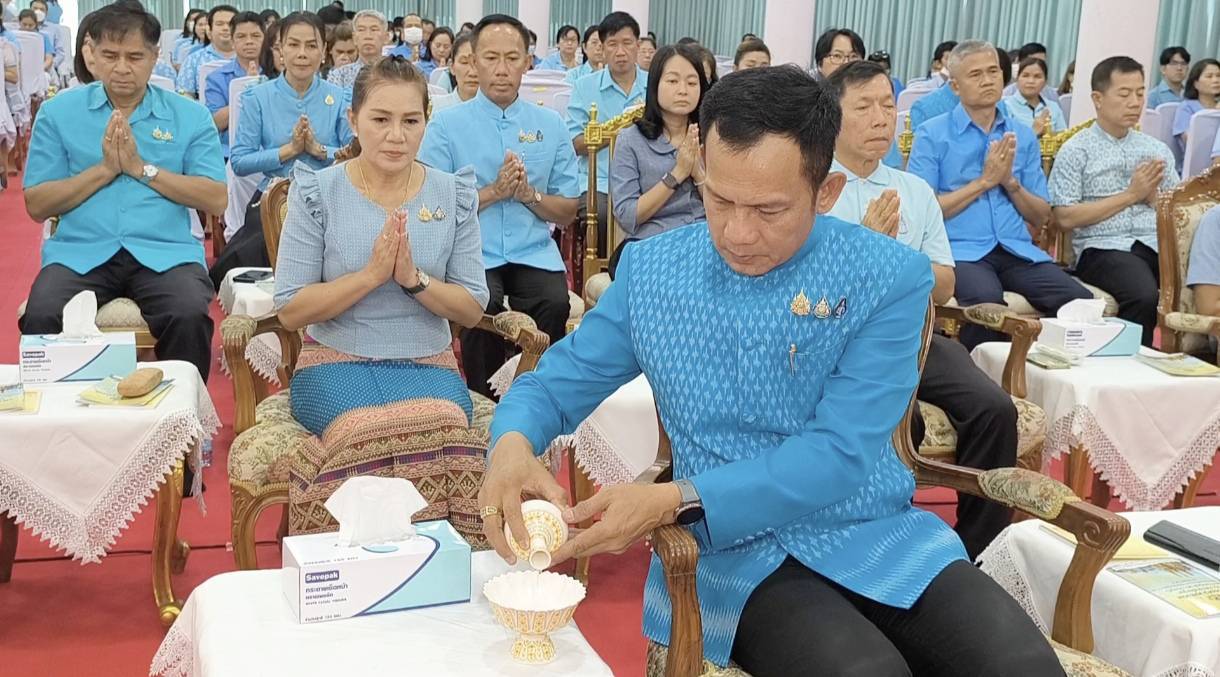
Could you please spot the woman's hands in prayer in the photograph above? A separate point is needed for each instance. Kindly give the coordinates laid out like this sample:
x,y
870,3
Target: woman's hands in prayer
x,y
882,214
384,258
514,471
688,154
629,512
406,273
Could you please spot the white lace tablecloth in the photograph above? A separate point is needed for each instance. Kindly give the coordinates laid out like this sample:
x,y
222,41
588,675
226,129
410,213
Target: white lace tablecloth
x,y
618,441
239,623
254,299
1132,629
1147,433
76,475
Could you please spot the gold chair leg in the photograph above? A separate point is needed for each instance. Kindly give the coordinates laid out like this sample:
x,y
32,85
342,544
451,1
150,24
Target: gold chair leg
x,y
1077,471
166,545
246,510
582,490
9,531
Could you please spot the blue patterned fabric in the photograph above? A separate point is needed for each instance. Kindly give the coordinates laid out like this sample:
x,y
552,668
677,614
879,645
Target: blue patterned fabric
x,y
789,450
323,392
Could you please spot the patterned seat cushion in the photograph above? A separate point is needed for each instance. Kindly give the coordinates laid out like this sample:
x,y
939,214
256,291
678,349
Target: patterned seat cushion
x,y
276,408
1019,305
596,286
1075,664
940,439
119,313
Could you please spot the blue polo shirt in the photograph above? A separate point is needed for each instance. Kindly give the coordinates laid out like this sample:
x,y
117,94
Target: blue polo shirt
x,y
479,133
216,93
929,106
268,114
174,133
1162,94
601,89
949,153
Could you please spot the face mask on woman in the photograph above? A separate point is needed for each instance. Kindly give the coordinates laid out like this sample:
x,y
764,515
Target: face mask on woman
x,y
413,35
40,15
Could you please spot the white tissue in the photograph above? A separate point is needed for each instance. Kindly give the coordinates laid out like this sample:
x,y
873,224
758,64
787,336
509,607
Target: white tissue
x,y
80,317
1083,311
375,510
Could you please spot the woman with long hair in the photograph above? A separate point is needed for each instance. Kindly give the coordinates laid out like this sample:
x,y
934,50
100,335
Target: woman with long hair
x,y
1202,92
199,37
440,50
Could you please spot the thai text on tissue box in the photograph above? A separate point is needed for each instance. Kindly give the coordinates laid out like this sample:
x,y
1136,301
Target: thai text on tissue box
x,y
80,352
1079,329
383,563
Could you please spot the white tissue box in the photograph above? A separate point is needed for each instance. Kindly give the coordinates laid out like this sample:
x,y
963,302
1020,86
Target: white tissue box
x,y
325,581
1110,338
47,358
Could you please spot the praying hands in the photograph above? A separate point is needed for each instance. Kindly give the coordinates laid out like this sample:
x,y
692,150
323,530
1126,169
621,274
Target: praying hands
x,y
119,152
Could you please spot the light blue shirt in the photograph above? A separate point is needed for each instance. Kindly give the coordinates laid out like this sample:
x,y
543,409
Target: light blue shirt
x,y
921,223
164,70
949,152
57,44
790,452
1093,165
574,74
601,89
124,214
1216,147
1017,108
1049,93
554,62
183,49
478,133
1204,267
1162,94
929,106
268,114
345,76
216,93
1181,123
54,12
329,232
188,74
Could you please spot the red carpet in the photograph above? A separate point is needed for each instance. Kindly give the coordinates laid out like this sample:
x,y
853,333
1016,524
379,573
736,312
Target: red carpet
x,y
58,617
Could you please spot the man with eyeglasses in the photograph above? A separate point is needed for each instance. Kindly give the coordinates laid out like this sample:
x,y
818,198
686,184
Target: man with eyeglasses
x,y
1175,62
836,47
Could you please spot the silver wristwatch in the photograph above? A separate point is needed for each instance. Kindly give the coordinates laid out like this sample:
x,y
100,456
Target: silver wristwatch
x,y
148,174
691,508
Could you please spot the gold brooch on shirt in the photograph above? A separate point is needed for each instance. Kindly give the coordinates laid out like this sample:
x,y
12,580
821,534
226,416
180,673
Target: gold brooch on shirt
x,y
529,137
329,100
822,309
425,215
800,304
162,135
438,214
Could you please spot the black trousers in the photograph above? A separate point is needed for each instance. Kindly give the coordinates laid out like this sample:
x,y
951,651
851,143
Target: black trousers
x,y
1132,277
799,623
248,248
1045,285
986,423
541,294
174,303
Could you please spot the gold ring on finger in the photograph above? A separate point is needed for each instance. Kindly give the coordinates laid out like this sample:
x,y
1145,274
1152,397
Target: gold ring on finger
x,y
489,511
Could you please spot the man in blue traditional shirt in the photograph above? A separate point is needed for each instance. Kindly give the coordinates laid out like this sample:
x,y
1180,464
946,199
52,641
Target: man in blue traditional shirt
x,y
782,348
620,85
1175,62
121,163
527,176
247,30
220,49
987,173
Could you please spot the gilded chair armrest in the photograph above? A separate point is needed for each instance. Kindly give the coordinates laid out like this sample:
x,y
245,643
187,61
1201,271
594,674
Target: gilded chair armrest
x,y
679,554
236,332
1193,323
1098,532
1023,331
521,330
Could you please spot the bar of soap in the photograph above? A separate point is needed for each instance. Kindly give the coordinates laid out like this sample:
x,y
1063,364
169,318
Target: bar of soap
x,y
140,382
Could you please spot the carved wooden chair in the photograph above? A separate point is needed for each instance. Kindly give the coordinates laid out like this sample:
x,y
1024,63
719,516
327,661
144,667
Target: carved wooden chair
x,y
590,275
1098,532
268,437
1177,218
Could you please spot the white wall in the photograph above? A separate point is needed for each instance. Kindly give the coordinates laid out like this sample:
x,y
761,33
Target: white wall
x,y
636,8
467,10
1112,28
536,15
788,31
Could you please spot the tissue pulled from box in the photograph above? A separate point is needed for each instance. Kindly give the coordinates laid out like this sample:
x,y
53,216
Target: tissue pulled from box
x,y
1083,311
373,510
80,317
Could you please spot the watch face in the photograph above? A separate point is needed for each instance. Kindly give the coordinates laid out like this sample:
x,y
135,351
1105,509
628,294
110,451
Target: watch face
x,y
688,515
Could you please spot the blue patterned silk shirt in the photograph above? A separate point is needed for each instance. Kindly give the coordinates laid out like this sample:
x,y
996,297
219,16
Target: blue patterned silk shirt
x,y
782,421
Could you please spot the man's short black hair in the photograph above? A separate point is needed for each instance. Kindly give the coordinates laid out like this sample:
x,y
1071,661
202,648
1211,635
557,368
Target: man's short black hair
x,y
246,18
1029,49
115,21
786,101
331,15
854,73
1168,53
501,19
217,10
427,22
750,45
533,37
942,50
827,40
615,22
747,36
38,2
687,41
1105,70
1005,62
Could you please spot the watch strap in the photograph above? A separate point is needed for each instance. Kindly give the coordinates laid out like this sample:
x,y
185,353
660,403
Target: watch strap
x,y
670,180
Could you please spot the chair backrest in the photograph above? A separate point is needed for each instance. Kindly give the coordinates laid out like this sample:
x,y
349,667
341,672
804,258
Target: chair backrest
x,y
440,75
1168,112
65,36
206,69
165,47
600,135
560,102
436,90
1177,217
546,75
162,82
274,209
236,87
1065,105
33,76
542,91
1150,123
724,66
908,96
1199,139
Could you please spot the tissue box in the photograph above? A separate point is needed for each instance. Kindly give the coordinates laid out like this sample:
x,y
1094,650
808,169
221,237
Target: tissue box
x,y
1111,338
47,358
324,581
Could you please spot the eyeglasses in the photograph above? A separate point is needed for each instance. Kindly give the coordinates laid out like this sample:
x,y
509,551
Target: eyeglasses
x,y
1179,64
879,55
841,58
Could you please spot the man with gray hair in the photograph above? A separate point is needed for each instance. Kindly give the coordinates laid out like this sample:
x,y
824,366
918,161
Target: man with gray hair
x,y
372,34
987,174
